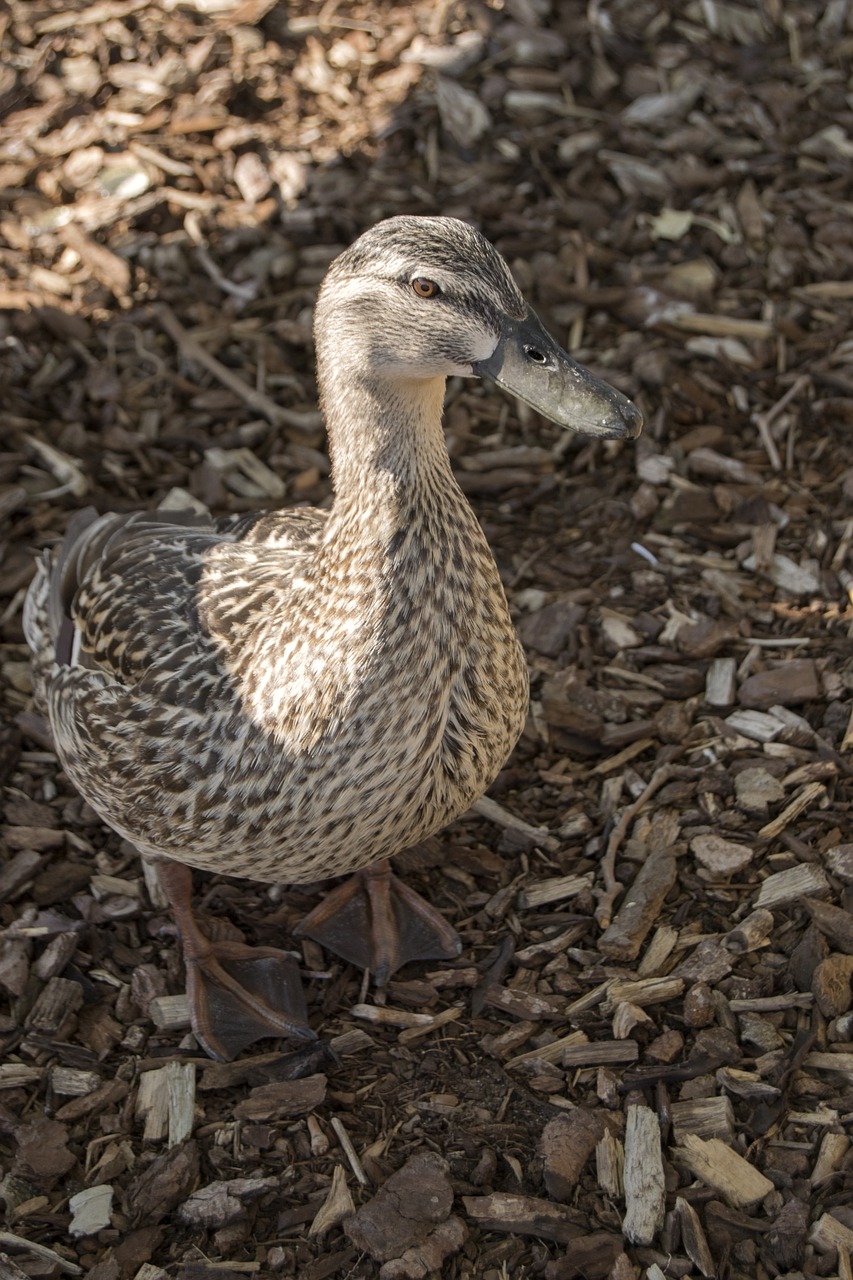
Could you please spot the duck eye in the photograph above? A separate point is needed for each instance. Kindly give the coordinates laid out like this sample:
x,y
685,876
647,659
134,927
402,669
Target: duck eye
x,y
425,288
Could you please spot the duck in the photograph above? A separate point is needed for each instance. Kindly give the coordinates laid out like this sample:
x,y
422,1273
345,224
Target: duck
x,y
299,694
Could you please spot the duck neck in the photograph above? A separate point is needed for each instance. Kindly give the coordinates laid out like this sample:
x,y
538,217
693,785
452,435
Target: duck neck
x,y
386,446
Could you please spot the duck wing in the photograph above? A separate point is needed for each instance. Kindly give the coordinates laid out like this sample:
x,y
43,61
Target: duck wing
x,y
134,626
130,595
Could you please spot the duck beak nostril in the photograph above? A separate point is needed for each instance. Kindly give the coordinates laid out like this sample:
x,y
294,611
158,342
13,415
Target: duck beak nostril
x,y
532,366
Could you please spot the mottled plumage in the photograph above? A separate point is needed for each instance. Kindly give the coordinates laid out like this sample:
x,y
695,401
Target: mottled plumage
x,y
298,695
289,712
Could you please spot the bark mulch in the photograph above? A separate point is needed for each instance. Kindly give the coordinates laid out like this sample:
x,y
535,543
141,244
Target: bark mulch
x,y
642,1064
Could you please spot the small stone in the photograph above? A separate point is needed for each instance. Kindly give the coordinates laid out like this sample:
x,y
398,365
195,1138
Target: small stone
x,y
756,790
699,1010
831,985
721,857
251,176
673,720
666,1047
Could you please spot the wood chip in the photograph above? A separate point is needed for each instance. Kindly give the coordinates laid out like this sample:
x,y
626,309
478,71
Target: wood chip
x,y
645,1191
833,1149
610,1165
601,1053
337,1206
411,1035
717,1165
556,890
830,1234
59,999
349,1151
166,219
789,684
624,937
8,1240
565,1145
792,885
693,1237
91,1210
704,1118
751,932
809,795
282,1099
166,1102
760,726
719,856
170,1013
521,1215
721,682
642,991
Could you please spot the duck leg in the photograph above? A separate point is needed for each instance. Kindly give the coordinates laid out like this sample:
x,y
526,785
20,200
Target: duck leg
x,y
237,994
377,922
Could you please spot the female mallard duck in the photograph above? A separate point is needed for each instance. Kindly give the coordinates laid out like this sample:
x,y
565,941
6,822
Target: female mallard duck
x,y
304,693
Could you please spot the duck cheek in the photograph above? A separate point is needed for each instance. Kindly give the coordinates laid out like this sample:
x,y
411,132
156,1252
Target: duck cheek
x,y
460,361
428,368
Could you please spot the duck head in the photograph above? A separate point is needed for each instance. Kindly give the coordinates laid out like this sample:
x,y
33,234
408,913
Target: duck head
x,y
421,298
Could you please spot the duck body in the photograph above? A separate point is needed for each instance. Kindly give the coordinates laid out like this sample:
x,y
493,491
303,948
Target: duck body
x,y
303,693
296,700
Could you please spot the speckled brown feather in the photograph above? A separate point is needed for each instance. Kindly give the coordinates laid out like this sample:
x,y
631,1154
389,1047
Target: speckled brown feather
x,y
298,695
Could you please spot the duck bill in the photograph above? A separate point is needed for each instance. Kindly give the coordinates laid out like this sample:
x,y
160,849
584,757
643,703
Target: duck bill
x,y
529,363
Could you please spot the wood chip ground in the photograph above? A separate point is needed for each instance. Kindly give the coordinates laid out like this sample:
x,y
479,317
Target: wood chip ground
x,y
642,1064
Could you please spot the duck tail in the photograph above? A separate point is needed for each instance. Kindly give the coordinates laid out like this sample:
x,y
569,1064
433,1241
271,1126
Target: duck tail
x,y
47,620
37,631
